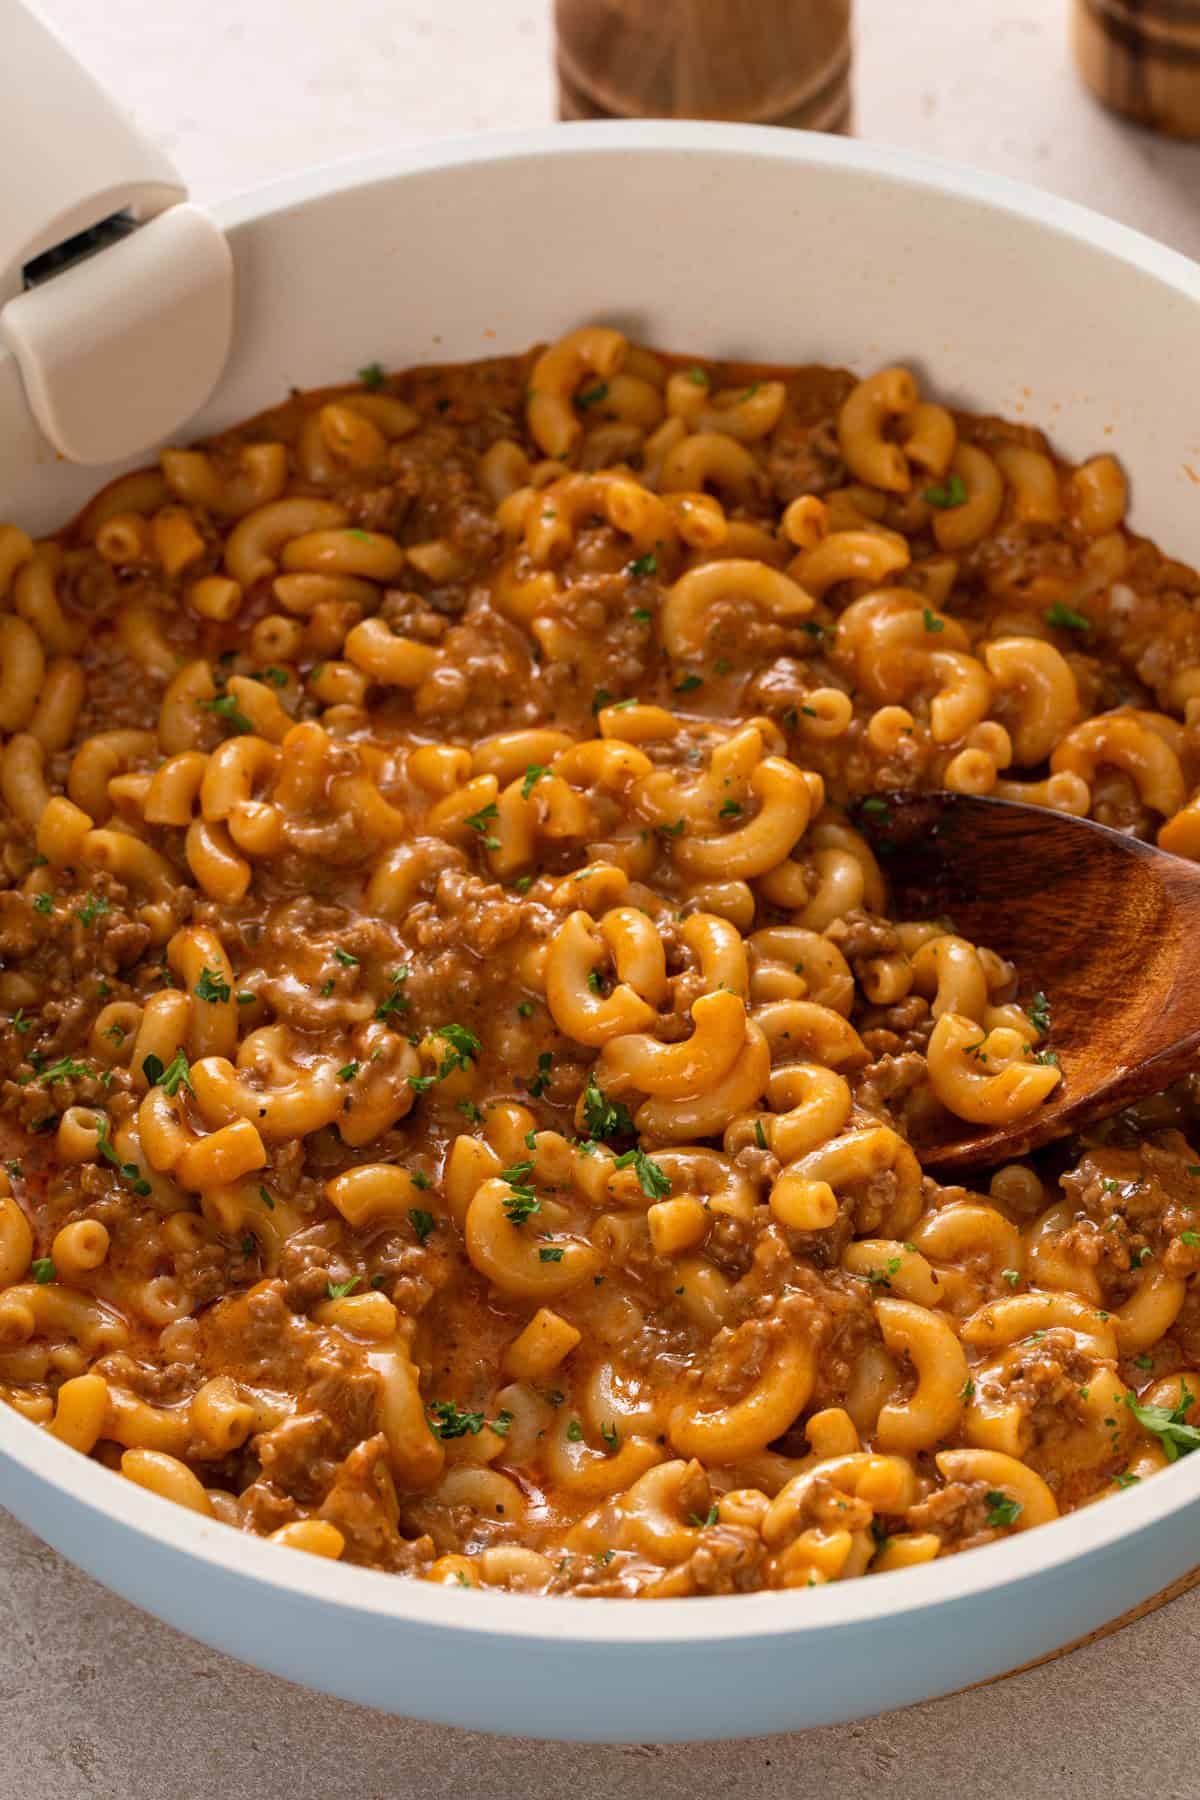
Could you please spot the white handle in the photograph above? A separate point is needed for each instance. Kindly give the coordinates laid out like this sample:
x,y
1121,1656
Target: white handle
x,y
73,159
122,328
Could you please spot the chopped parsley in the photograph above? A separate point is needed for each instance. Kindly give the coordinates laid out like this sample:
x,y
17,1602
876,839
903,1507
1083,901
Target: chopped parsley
x,y
1046,1057
525,1009
968,1390
480,821
760,1136
592,396
129,1171
710,1517
604,1118
1003,1509
1190,1238
371,376
42,1270
932,622
949,493
675,830
644,565
873,804
62,1070
43,903
446,1421
536,1085
594,982
522,1202
551,1253
533,775
464,1048
1067,617
688,684
344,957
421,1221
348,1071
93,906
169,1077
266,1199
337,1290
1169,1424
698,377
731,809
227,709
1011,1276
272,677
212,986
574,1432
600,699
395,1001
612,1438
655,1182
883,1277
1038,1012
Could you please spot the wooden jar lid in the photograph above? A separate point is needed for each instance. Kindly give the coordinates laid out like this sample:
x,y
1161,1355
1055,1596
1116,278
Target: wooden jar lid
x,y
772,62
1142,58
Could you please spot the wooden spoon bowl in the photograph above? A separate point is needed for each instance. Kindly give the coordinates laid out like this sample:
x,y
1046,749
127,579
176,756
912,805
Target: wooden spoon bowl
x,y
1107,926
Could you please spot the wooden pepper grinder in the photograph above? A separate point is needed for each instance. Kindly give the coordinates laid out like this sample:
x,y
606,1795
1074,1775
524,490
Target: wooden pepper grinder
x,y
765,62
1142,58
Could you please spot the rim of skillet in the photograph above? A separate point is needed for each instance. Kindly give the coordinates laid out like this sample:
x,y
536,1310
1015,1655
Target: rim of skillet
x,y
1027,1557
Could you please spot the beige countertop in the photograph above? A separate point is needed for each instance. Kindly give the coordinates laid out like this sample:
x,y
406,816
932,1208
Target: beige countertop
x,y
99,1701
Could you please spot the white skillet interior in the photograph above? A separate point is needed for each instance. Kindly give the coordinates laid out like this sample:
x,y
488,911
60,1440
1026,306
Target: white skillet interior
x,y
723,241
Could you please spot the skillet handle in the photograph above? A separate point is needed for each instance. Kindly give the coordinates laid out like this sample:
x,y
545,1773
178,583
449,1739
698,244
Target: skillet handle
x,y
116,295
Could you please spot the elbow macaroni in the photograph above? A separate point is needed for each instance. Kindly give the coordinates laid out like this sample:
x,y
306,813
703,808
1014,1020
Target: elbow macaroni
x,y
479,1135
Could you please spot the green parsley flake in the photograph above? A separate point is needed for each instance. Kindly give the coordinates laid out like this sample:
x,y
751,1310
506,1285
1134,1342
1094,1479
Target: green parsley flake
x,y
604,1118
212,986
1004,1510
448,1422
92,909
228,711
949,493
42,1270
421,1221
655,1182
536,1085
337,1290
1066,617
171,1077
480,821
1169,1424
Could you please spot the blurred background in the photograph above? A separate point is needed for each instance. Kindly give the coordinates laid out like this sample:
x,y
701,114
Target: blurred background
x,y
258,91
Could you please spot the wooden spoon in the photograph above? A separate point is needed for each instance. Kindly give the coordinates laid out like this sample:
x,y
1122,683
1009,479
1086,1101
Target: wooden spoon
x,y
1106,926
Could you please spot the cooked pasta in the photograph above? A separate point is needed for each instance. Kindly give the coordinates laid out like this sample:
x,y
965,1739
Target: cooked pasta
x,y
463,1086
